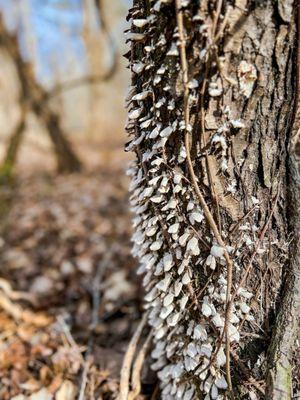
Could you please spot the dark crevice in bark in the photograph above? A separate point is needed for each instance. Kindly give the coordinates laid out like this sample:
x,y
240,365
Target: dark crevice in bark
x,y
260,166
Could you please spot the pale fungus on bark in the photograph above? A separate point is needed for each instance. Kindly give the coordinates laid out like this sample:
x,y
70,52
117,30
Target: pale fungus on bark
x,y
204,228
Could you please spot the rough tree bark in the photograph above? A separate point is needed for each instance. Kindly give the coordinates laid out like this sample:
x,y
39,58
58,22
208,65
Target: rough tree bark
x,y
34,98
286,330
215,189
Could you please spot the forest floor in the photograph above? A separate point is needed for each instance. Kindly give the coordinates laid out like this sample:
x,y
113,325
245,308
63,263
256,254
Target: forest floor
x,y
69,297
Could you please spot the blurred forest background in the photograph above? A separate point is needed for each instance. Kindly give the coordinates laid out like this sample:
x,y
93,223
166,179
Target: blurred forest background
x,y
74,49
69,301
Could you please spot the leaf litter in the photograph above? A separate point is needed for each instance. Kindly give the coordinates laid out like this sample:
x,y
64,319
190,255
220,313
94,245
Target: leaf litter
x,y
69,299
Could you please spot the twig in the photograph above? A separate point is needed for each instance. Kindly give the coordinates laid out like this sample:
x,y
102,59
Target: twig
x,y
96,290
258,242
69,337
155,393
137,369
86,363
84,379
217,13
246,373
127,362
236,225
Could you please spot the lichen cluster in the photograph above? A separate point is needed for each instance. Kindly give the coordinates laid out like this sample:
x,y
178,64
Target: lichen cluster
x,y
184,268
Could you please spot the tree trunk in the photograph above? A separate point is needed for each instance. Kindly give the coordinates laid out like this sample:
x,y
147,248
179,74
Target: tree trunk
x,y
211,115
35,98
287,327
67,161
13,147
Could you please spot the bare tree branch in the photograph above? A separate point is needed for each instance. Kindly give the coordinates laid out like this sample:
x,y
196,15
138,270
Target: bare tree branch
x,y
109,37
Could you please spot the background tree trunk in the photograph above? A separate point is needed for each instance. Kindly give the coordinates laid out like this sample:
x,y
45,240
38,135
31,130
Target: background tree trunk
x,y
210,115
35,99
13,146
